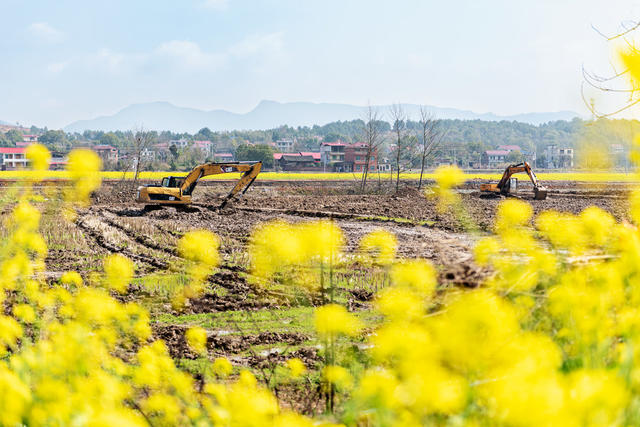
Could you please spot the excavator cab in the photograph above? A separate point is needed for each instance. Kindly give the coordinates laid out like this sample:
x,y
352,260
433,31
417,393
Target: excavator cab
x,y
504,186
172,181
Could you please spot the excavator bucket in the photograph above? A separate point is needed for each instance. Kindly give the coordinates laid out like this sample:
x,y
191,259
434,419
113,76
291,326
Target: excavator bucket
x,y
540,193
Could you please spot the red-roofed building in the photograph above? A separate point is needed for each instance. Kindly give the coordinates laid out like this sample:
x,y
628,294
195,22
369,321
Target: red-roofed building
x,y
494,158
107,153
204,146
13,158
223,157
510,148
316,155
355,158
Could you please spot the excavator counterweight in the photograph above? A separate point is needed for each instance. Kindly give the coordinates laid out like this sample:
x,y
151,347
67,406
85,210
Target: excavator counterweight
x,y
177,190
504,186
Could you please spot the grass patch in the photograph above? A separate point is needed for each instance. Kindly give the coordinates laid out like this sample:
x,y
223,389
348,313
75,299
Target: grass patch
x,y
295,319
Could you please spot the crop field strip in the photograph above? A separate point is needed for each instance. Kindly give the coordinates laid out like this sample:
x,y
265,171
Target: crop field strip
x,y
59,177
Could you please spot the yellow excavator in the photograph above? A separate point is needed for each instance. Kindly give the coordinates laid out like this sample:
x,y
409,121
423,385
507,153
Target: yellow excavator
x,y
177,190
504,186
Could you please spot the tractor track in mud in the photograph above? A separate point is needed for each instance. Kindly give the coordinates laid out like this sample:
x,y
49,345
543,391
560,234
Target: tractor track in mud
x,y
103,242
139,238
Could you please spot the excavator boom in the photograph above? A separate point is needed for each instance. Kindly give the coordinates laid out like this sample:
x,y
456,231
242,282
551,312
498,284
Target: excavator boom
x,y
503,187
177,190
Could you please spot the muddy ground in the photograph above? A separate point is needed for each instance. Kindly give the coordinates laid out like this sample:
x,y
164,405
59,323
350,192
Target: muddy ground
x,y
114,223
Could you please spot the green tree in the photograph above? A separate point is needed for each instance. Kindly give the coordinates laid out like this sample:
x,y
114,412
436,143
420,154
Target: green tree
x,y
13,136
204,134
56,140
260,152
110,138
514,157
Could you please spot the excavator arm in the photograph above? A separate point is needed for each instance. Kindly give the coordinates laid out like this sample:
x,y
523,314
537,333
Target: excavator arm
x,y
179,189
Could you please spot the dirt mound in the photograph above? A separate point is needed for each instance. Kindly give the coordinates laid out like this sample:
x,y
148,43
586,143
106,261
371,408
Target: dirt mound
x,y
174,337
466,274
310,356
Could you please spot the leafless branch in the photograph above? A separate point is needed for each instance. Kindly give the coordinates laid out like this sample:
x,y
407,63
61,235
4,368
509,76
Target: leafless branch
x,y
372,137
606,84
633,26
399,124
430,137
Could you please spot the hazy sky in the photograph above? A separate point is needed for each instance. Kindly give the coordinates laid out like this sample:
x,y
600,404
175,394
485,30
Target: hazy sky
x,y
68,60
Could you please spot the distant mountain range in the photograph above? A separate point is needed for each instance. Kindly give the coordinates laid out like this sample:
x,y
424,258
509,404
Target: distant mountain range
x,y
270,114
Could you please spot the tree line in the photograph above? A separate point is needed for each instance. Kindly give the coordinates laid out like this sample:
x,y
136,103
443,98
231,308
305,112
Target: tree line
x,y
460,141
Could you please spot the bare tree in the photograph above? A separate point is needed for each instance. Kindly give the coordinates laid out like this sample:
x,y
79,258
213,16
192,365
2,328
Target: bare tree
x,y
141,140
399,126
372,137
430,137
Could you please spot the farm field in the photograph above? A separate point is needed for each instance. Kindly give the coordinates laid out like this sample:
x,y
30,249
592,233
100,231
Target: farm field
x,y
257,327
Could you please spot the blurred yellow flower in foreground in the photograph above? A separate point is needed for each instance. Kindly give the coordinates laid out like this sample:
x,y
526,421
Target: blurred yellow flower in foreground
x,y
39,156
296,367
333,319
118,272
84,169
196,338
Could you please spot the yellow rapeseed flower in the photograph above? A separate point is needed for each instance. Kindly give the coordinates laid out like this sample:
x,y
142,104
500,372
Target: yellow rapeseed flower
x,y
337,375
118,272
449,176
512,213
71,278
24,312
222,367
333,319
380,245
322,239
200,246
418,275
83,166
630,58
296,367
39,156
196,338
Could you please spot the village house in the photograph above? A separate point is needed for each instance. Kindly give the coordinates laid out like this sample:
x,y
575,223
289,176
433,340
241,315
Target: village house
x,y
160,151
29,138
148,154
107,153
355,158
332,156
558,157
494,158
510,148
205,146
223,157
58,162
302,161
384,165
179,143
285,145
13,158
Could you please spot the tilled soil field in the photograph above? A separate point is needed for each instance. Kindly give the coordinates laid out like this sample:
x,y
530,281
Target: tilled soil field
x,y
260,327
